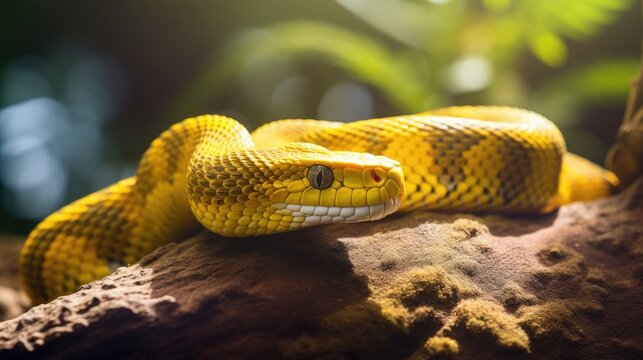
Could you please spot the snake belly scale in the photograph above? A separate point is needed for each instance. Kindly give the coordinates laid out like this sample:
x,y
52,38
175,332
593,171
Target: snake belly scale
x,y
292,174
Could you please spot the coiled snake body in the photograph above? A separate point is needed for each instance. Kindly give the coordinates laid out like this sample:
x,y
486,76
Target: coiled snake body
x,y
292,174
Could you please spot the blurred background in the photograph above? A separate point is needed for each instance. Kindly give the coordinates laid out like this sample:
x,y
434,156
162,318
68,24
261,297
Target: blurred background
x,y
86,85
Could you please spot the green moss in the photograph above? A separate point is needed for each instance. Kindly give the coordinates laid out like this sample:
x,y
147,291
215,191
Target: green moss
x,y
390,260
357,329
469,228
441,347
514,296
551,321
412,297
430,286
465,265
485,319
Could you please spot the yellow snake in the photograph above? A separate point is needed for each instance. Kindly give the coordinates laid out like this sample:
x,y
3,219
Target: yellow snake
x,y
292,174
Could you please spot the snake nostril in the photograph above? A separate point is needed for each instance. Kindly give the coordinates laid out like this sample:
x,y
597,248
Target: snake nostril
x,y
375,177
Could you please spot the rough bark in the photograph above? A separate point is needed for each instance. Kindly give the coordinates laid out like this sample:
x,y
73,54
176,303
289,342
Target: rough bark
x,y
413,285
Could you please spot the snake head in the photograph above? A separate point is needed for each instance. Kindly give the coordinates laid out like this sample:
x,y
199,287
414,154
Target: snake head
x,y
296,186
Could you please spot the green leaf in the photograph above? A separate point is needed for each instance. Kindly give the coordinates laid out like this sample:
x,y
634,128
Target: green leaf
x,y
548,48
385,17
579,19
398,78
497,5
602,82
360,56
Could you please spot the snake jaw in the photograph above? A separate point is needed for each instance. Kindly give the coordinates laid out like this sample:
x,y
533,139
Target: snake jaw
x,y
323,215
363,193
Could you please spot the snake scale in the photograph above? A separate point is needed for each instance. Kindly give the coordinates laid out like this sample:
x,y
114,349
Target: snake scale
x,y
292,174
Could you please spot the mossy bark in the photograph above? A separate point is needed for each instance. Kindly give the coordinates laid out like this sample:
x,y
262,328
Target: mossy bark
x,y
417,285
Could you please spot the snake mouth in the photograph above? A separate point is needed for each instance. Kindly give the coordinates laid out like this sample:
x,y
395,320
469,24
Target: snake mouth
x,y
321,215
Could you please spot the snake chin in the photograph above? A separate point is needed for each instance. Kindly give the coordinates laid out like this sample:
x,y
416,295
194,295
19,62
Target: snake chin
x,y
321,215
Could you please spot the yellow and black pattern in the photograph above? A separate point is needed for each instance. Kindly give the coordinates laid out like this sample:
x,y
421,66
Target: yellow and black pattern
x,y
260,191
79,243
204,170
293,174
486,158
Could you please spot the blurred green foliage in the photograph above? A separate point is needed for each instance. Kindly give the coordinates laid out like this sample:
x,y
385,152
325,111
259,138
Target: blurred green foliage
x,y
444,52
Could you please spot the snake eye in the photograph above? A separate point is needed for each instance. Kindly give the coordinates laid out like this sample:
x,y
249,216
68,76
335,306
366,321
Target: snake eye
x,y
320,177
